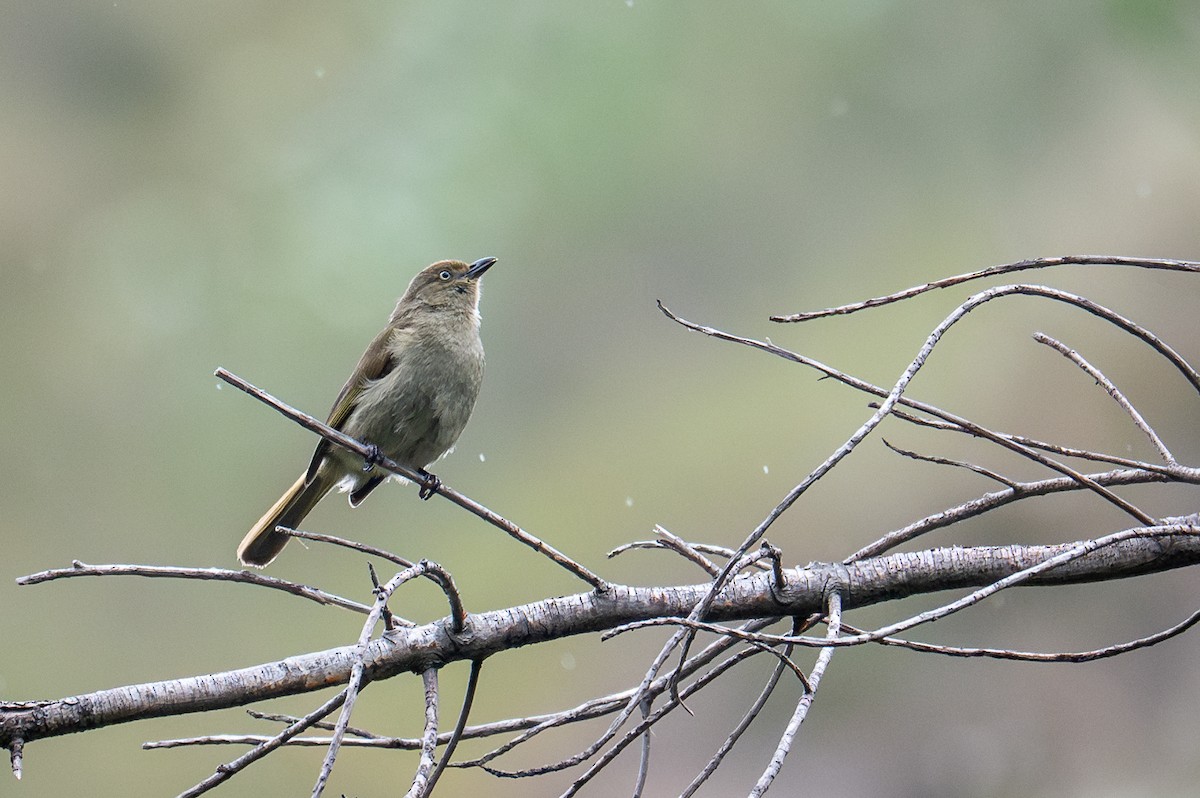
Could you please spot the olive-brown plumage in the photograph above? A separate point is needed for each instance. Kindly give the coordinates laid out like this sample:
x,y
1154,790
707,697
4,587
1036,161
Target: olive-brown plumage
x,y
410,395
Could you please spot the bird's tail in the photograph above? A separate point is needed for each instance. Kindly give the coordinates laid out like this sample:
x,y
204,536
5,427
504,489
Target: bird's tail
x,y
262,543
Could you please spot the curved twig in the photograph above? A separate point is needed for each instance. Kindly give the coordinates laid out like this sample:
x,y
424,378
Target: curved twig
x,y
1112,390
993,271
215,574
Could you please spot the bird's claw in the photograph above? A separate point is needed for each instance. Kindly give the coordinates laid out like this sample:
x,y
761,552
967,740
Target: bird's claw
x,y
373,457
429,485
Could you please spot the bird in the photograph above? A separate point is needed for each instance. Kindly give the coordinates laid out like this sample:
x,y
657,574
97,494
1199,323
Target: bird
x,y
408,399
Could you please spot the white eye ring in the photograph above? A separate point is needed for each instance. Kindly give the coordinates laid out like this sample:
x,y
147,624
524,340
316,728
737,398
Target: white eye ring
x,y
445,274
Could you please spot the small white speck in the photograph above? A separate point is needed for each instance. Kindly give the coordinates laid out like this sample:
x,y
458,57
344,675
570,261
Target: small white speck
x,y
482,459
567,661
219,386
628,501
839,107
1143,189
319,72
629,3
769,342
766,470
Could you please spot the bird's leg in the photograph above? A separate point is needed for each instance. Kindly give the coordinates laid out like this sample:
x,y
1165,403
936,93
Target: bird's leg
x,y
373,457
429,484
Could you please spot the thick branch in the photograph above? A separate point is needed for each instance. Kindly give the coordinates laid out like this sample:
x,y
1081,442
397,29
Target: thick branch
x,y
415,649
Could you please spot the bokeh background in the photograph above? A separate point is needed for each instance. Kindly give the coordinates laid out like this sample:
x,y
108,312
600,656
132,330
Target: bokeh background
x,y
251,184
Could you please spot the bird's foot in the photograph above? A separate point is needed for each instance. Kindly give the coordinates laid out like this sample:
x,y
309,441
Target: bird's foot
x,y
429,484
373,457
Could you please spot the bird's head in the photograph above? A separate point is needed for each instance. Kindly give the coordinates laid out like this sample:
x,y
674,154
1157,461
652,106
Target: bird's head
x,y
447,284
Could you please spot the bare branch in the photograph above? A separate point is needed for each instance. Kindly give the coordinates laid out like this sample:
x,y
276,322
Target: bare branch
x,y
16,748
688,550
609,704
674,701
280,718
751,714
228,770
644,761
892,398
993,271
1034,656
1065,557
1023,490
802,706
699,548
1003,480
459,727
217,574
1184,368
746,593
425,766
346,543
346,442
750,596
1171,470
359,667
1111,390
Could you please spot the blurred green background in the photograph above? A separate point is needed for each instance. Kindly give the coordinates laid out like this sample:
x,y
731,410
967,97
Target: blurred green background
x,y
252,184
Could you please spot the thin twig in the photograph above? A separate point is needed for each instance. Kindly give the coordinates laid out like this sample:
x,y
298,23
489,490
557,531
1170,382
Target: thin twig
x,y
606,705
280,718
229,769
387,743
750,715
1037,656
358,670
433,572
648,722
774,555
975,429
1173,470
686,549
1003,480
218,574
389,621
993,271
1112,390
802,706
345,441
1184,368
893,397
16,750
993,501
459,727
633,700
643,771
346,543
428,759
700,548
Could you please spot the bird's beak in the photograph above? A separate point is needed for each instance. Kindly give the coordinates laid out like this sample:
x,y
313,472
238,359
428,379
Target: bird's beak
x,y
479,267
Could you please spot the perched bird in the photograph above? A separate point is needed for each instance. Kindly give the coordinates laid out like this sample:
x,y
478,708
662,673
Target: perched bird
x,y
409,396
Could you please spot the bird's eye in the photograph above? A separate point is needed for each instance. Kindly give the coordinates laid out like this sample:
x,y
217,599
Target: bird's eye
x,y
445,274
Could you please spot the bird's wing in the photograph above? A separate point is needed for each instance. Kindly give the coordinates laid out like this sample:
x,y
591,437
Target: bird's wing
x,y
376,362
